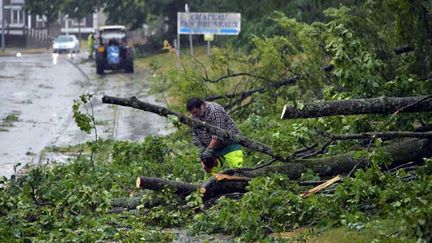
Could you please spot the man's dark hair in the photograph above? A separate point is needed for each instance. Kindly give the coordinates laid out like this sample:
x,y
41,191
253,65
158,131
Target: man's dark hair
x,y
194,102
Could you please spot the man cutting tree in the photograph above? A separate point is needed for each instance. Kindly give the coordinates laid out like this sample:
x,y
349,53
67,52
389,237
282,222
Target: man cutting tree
x,y
214,151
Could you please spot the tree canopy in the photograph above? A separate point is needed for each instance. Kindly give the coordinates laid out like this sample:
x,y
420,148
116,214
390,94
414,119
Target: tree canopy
x,y
48,8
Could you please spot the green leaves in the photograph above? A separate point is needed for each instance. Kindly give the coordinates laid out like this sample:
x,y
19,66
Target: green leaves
x,y
83,120
174,120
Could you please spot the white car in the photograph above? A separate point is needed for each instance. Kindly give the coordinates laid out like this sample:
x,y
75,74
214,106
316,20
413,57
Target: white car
x,y
66,43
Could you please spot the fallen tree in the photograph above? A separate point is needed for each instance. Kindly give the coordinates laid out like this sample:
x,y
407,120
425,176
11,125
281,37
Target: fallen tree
x,y
236,180
230,181
162,111
398,153
218,185
383,105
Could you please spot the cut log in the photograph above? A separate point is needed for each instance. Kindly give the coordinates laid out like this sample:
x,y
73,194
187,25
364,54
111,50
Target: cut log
x,y
216,186
383,105
223,187
162,111
157,184
221,184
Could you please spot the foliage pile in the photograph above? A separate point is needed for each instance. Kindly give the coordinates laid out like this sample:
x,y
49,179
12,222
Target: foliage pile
x,y
73,201
51,204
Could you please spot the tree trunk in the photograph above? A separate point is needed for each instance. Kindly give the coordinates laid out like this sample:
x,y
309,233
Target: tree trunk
x,y
217,185
157,184
48,36
221,184
236,180
398,153
130,203
79,30
384,105
162,111
403,49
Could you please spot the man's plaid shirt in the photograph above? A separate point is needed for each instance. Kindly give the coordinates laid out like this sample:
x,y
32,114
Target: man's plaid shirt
x,y
215,115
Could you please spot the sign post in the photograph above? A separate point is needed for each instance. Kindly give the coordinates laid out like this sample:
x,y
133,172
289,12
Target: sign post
x,y
196,23
209,38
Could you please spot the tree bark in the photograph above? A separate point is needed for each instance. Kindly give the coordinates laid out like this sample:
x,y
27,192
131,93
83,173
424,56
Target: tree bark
x,y
383,105
157,184
214,187
221,184
398,153
126,202
236,180
162,111
387,135
130,203
403,49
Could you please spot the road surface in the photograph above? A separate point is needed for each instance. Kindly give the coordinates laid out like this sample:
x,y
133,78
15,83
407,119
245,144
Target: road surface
x,y
38,91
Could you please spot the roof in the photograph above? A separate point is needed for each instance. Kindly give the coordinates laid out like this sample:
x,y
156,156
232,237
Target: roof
x,y
112,27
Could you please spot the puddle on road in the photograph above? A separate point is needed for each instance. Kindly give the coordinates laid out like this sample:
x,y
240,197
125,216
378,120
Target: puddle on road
x,y
6,77
55,58
43,86
46,105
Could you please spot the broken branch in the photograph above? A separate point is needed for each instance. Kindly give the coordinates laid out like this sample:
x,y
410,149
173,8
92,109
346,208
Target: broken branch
x,y
162,111
157,184
230,76
383,105
387,135
248,93
321,187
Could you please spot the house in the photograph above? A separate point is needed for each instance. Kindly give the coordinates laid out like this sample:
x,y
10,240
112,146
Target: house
x,y
24,30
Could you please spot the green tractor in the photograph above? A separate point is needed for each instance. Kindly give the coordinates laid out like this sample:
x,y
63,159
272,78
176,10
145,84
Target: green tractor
x,y
112,51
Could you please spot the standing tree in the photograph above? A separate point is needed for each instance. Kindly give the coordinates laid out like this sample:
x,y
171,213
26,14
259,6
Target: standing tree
x,y
48,8
79,9
158,14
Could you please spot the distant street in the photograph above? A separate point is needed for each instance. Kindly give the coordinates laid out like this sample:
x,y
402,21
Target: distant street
x,y
39,90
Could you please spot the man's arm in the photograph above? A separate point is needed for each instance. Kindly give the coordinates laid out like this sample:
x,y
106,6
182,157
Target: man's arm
x,y
214,143
197,141
218,117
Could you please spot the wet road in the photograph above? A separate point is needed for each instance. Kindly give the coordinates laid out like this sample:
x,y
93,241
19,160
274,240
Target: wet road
x,y
39,90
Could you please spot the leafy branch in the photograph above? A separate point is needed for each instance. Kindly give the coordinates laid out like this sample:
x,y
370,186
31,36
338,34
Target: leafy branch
x,y
86,120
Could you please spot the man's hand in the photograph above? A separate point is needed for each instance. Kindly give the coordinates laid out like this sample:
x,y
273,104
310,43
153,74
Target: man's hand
x,y
208,153
204,166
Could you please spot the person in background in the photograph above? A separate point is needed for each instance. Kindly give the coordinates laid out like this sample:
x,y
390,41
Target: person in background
x,y
214,151
90,44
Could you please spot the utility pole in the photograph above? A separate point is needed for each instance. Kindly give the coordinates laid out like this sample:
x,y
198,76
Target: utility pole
x,y
3,27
